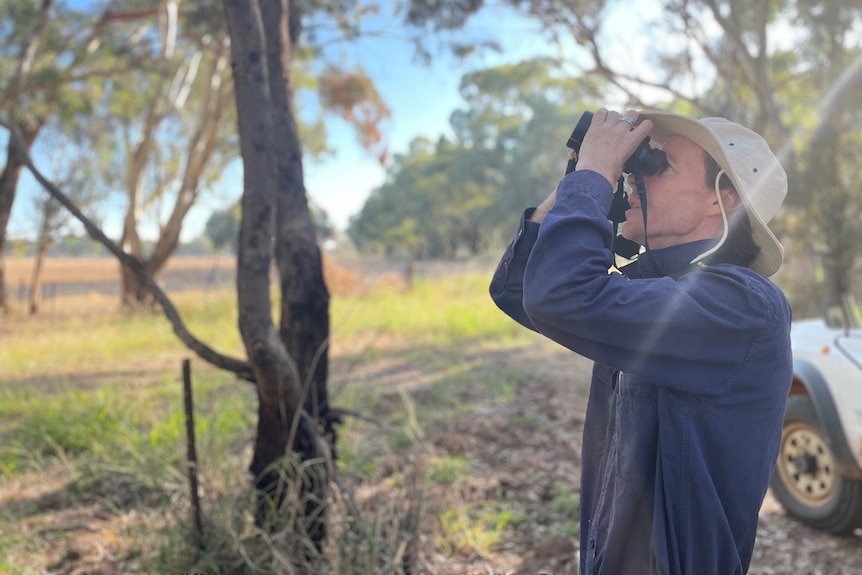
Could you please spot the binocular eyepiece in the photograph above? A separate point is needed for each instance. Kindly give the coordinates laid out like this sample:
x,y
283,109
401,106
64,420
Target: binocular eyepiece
x,y
645,160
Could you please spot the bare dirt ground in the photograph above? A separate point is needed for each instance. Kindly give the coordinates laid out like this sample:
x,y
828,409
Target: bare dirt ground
x,y
524,452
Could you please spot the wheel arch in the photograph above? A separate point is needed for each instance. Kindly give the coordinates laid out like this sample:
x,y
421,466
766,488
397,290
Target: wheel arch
x,y
808,381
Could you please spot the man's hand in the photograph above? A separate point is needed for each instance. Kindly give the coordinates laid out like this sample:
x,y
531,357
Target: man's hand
x,y
609,142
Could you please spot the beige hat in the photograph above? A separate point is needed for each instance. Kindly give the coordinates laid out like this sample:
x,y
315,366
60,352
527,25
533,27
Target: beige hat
x,y
754,170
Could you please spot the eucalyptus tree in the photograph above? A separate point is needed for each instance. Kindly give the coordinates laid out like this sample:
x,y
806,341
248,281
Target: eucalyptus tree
x,y
828,214
290,363
50,63
420,211
164,124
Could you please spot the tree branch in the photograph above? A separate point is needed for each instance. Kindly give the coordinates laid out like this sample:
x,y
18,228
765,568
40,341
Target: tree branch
x,y
241,368
28,51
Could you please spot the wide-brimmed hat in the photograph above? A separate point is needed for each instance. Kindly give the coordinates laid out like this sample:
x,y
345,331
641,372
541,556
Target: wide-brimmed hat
x,y
747,159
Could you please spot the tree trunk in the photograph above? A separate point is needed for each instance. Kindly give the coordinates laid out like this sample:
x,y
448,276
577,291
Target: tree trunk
x,y
8,188
304,326
36,278
135,295
131,296
282,362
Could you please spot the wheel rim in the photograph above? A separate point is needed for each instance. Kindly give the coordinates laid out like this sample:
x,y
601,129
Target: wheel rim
x,y
806,465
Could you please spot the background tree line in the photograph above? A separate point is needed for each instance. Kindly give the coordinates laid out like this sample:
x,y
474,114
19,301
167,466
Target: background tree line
x,y
459,196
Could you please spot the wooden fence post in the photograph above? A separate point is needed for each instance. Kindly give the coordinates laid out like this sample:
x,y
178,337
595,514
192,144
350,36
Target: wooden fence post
x,y
192,453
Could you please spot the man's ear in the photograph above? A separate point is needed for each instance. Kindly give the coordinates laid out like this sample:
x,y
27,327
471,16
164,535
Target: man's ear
x,y
731,200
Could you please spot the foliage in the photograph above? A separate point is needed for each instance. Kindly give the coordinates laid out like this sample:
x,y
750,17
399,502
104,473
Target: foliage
x,y
353,95
460,197
222,229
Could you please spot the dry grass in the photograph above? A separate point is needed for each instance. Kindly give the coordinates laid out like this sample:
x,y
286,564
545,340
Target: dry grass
x,y
340,279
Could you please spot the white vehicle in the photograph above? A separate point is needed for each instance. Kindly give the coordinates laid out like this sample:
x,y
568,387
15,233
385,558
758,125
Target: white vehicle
x,y
818,476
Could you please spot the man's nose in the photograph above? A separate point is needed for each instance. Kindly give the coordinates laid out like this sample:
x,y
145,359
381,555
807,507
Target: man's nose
x,y
632,184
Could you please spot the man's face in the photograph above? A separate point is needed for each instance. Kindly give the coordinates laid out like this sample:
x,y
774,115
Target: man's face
x,y
680,206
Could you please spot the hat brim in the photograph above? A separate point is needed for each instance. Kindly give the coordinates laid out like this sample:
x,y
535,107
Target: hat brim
x,y
667,124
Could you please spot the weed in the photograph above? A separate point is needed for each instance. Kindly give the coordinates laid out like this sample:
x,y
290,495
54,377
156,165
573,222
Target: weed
x,y
448,470
476,528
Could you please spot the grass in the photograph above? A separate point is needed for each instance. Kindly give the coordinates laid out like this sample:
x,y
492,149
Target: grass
x,y
97,399
476,529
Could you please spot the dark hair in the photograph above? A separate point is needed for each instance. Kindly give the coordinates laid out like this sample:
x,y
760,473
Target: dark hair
x,y
740,240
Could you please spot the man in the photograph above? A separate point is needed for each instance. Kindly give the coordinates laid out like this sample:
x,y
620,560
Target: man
x,y
690,342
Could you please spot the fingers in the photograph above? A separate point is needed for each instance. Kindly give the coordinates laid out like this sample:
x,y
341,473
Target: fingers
x,y
616,122
610,140
628,122
605,117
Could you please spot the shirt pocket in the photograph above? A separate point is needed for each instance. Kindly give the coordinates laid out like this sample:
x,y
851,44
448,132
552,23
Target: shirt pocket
x,y
637,430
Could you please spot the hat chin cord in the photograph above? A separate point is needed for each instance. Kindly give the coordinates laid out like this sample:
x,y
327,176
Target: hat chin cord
x,y
726,227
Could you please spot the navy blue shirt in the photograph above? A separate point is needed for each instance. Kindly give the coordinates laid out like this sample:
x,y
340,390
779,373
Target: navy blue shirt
x,y
692,371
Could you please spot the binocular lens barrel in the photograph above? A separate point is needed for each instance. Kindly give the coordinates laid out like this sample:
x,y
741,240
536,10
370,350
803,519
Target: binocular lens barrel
x,y
646,160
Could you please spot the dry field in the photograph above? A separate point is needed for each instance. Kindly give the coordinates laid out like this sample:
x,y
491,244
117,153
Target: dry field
x,y
345,275
102,269
101,275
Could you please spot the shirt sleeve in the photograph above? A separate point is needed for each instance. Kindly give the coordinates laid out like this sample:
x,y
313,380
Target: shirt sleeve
x,y
507,285
692,334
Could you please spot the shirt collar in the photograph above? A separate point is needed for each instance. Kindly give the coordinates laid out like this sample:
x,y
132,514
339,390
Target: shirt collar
x,y
675,260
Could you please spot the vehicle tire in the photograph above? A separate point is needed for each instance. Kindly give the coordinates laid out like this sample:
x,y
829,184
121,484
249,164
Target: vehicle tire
x,y
807,481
